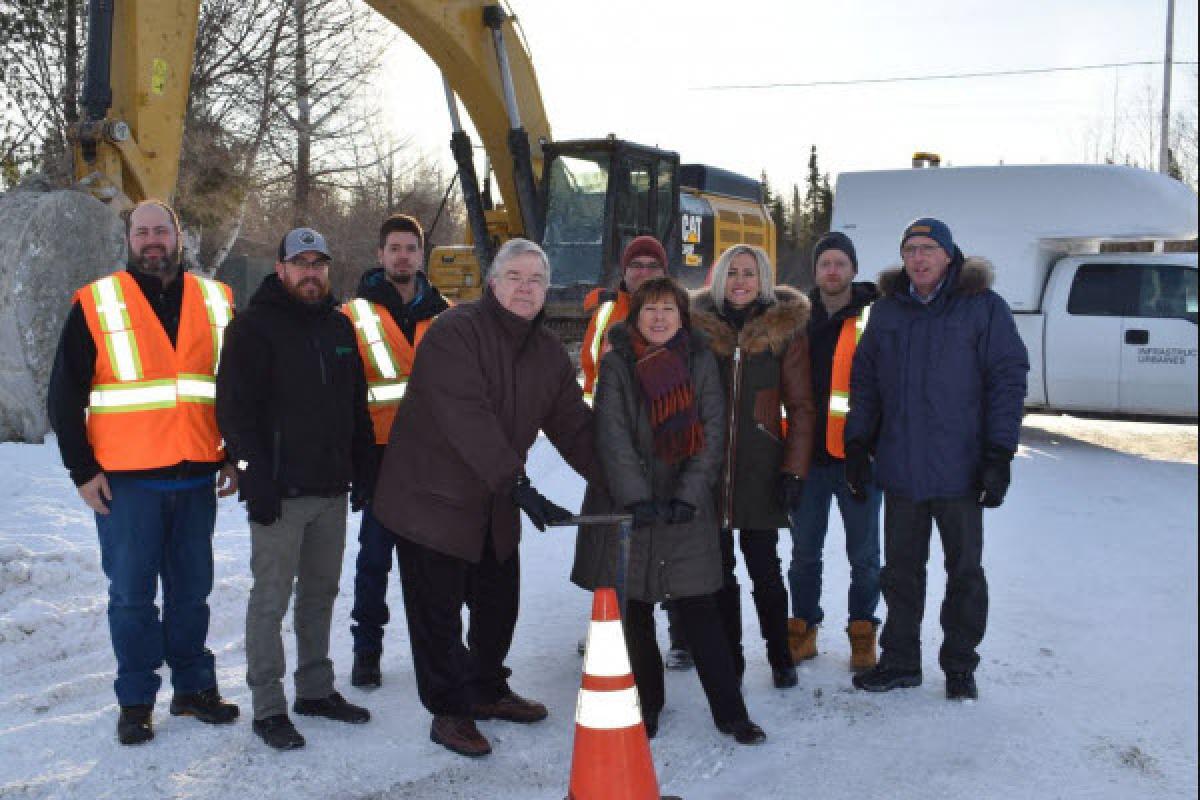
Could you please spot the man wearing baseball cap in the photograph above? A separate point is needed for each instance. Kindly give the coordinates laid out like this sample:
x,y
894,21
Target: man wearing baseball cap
x,y
936,394
292,406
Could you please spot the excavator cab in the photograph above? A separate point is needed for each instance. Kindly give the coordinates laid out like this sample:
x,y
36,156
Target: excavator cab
x,y
597,195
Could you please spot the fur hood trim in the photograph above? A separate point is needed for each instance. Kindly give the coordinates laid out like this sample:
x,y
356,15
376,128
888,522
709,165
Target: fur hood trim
x,y
975,276
773,329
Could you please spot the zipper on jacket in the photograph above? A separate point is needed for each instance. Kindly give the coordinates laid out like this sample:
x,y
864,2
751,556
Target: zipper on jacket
x,y
735,393
320,360
767,431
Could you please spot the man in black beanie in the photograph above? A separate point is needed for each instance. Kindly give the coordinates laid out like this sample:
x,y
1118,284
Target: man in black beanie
x,y
839,313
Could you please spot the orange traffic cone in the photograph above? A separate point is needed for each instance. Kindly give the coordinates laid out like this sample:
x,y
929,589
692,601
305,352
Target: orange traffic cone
x,y
612,758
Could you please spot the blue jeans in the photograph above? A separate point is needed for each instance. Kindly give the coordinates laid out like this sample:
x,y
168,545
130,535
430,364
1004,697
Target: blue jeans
x,y
159,530
809,524
375,547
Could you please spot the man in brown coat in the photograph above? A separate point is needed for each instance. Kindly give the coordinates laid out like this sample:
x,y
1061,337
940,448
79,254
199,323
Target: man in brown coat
x,y
487,378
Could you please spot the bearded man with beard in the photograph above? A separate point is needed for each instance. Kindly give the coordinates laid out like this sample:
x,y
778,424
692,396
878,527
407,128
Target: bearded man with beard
x,y
292,406
131,401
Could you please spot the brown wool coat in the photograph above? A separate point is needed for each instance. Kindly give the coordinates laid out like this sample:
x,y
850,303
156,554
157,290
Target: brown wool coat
x,y
775,373
484,383
665,561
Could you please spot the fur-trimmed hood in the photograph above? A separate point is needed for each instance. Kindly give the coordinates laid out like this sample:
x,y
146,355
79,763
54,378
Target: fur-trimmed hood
x,y
972,275
772,329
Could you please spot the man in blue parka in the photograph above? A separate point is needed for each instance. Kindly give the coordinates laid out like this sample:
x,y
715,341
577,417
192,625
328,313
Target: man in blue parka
x,y
936,396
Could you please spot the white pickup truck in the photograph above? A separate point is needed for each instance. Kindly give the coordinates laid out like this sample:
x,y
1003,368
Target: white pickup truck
x,y
1109,332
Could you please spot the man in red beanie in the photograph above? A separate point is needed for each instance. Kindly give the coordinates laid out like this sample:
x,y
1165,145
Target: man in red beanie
x,y
643,258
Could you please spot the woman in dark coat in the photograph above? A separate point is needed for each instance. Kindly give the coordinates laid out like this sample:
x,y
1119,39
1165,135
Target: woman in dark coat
x,y
757,331
659,417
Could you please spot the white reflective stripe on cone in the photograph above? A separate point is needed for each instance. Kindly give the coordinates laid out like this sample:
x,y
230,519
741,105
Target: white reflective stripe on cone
x,y
607,711
606,656
191,387
387,393
133,396
839,405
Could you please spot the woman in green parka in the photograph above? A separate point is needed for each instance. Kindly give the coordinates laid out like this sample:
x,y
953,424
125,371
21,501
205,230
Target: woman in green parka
x,y
758,332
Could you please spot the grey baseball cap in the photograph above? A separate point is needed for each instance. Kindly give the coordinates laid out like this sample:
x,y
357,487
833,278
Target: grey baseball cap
x,y
302,240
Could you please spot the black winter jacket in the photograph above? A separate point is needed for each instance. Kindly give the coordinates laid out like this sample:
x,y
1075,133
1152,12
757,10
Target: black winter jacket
x,y
292,396
67,395
823,333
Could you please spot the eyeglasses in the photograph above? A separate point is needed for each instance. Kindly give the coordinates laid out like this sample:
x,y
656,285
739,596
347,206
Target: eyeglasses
x,y
644,265
535,282
320,263
910,250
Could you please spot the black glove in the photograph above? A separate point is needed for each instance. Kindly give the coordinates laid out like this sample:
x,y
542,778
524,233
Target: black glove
x,y
995,473
645,513
263,504
791,489
680,512
858,470
363,488
541,512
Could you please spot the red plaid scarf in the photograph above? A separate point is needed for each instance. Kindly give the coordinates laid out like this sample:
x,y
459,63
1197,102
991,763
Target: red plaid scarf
x,y
666,385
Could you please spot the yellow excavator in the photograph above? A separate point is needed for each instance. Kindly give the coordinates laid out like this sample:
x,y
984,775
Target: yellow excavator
x,y
582,200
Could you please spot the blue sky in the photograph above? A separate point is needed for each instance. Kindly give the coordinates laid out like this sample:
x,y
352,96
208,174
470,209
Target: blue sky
x,y
635,68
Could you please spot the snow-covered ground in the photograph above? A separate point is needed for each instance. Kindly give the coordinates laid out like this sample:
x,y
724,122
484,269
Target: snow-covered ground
x,y
1088,682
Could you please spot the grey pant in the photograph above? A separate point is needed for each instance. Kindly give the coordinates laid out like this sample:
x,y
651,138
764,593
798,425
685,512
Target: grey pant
x,y
302,548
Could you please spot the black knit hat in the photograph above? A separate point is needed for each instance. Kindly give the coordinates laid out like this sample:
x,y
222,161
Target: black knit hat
x,y
835,240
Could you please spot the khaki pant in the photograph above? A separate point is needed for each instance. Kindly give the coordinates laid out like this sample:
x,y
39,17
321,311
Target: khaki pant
x,y
302,548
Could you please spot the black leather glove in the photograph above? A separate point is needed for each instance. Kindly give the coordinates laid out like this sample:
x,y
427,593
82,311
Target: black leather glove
x,y
263,504
791,489
995,473
858,470
645,513
363,488
680,512
541,512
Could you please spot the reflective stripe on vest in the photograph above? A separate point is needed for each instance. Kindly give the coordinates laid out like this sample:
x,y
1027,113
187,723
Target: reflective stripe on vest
x,y
839,388
603,315
370,328
216,304
119,341
387,392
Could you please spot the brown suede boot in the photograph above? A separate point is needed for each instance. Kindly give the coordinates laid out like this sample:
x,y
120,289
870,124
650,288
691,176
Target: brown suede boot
x,y
802,640
862,644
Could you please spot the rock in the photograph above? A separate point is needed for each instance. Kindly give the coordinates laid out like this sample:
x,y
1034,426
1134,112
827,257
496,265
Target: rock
x,y
53,243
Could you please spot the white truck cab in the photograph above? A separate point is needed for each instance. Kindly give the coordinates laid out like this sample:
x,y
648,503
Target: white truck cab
x,y
1109,332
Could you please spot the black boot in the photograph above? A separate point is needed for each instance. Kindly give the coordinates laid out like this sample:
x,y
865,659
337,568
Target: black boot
x,y
135,724
784,678
771,605
278,732
650,720
743,731
332,707
961,686
884,678
207,706
365,674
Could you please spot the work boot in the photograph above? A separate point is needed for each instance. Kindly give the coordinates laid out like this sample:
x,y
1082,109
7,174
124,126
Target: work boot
x,y
961,686
511,707
207,706
459,734
862,644
332,707
802,640
581,648
679,659
784,677
743,731
650,720
365,673
135,724
883,678
278,732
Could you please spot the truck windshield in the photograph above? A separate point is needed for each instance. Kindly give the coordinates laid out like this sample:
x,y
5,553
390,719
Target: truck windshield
x,y
574,234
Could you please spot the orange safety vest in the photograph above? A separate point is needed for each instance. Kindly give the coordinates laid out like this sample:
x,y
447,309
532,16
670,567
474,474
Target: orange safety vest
x,y
839,385
388,358
153,405
610,308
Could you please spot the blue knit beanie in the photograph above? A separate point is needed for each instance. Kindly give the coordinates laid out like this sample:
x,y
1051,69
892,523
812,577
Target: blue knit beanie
x,y
933,228
835,240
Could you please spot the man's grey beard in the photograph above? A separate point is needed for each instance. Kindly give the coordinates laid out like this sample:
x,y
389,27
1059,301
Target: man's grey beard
x,y
165,270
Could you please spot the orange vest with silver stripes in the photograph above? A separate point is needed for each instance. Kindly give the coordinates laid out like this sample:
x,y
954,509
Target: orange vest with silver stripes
x,y
151,404
388,358
606,314
839,385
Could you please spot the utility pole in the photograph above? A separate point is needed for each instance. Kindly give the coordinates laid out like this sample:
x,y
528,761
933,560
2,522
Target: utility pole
x,y
1164,150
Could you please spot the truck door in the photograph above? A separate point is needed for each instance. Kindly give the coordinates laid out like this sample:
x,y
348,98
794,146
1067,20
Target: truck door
x,y
1083,346
1158,353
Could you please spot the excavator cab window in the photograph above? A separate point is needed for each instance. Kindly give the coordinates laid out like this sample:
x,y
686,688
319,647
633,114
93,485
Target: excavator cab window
x,y
576,190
